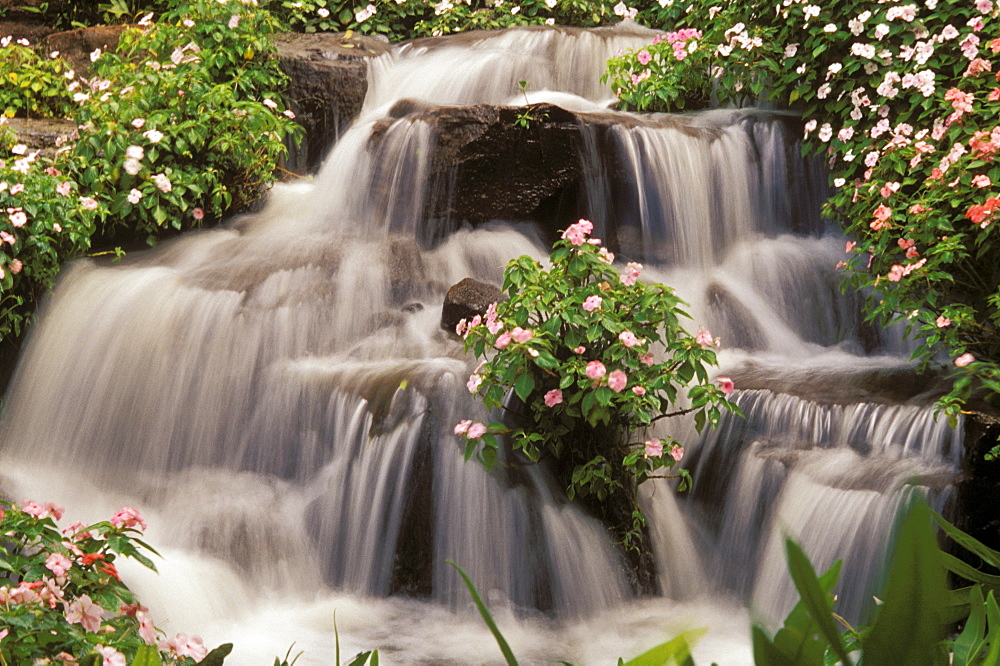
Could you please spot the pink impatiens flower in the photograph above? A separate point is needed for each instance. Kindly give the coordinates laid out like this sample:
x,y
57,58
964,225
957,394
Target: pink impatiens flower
x,y
474,381
595,370
591,303
632,273
462,426
643,57
579,350
58,563
628,339
942,322
703,337
184,646
964,360
86,613
110,656
726,384
128,517
521,334
617,380
577,233
639,390
503,340
653,448
553,398
677,452
147,632
476,430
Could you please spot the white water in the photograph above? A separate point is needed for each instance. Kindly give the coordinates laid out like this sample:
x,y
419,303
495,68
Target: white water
x,y
277,396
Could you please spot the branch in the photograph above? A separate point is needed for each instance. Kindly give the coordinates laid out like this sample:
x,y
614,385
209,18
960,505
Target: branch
x,y
677,413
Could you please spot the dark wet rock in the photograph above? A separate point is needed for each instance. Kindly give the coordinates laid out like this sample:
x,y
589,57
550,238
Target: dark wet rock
x,y
23,27
329,79
467,299
847,385
43,135
978,490
496,162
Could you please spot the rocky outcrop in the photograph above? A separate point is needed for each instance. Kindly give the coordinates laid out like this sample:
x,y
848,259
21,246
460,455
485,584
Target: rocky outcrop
x,y
467,299
43,135
329,79
497,162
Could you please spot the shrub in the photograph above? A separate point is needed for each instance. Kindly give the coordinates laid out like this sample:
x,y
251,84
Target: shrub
x,y
184,122
903,102
44,220
585,359
63,600
32,85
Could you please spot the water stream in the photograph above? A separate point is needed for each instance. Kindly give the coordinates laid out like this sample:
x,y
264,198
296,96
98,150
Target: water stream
x,y
277,396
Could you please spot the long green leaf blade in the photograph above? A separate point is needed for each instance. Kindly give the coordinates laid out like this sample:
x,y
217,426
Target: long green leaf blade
x,y
909,627
675,651
501,641
814,598
970,543
968,644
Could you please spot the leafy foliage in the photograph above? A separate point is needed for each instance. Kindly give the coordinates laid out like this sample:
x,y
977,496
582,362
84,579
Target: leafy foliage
x,y
584,359
44,221
61,597
181,124
903,101
32,85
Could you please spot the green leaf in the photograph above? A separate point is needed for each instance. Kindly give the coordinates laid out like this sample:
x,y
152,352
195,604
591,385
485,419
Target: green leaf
x,y
147,655
764,651
217,656
501,641
909,624
815,600
968,542
524,385
675,651
967,646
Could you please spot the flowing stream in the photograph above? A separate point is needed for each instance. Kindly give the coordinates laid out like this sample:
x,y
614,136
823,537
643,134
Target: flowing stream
x,y
276,396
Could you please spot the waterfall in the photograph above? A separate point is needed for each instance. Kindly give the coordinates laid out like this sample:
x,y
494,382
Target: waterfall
x,y
277,396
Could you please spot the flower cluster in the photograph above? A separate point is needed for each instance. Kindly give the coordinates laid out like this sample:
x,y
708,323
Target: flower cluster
x,y
44,221
901,99
184,117
62,598
594,357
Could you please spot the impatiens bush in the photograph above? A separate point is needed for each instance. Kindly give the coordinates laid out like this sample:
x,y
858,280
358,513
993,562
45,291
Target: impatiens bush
x,y
585,361
31,84
62,599
184,121
44,220
902,98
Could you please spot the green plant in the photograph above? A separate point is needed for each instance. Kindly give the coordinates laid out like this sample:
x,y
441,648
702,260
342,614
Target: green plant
x,y
62,599
185,121
902,101
584,359
32,85
677,650
45,220
912,623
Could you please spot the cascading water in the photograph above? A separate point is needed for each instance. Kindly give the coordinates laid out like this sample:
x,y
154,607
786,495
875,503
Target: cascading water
x,y
277,395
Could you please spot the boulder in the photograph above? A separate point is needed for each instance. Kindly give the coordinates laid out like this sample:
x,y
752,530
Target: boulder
x,y
329,79
43,135
497,162
467,299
